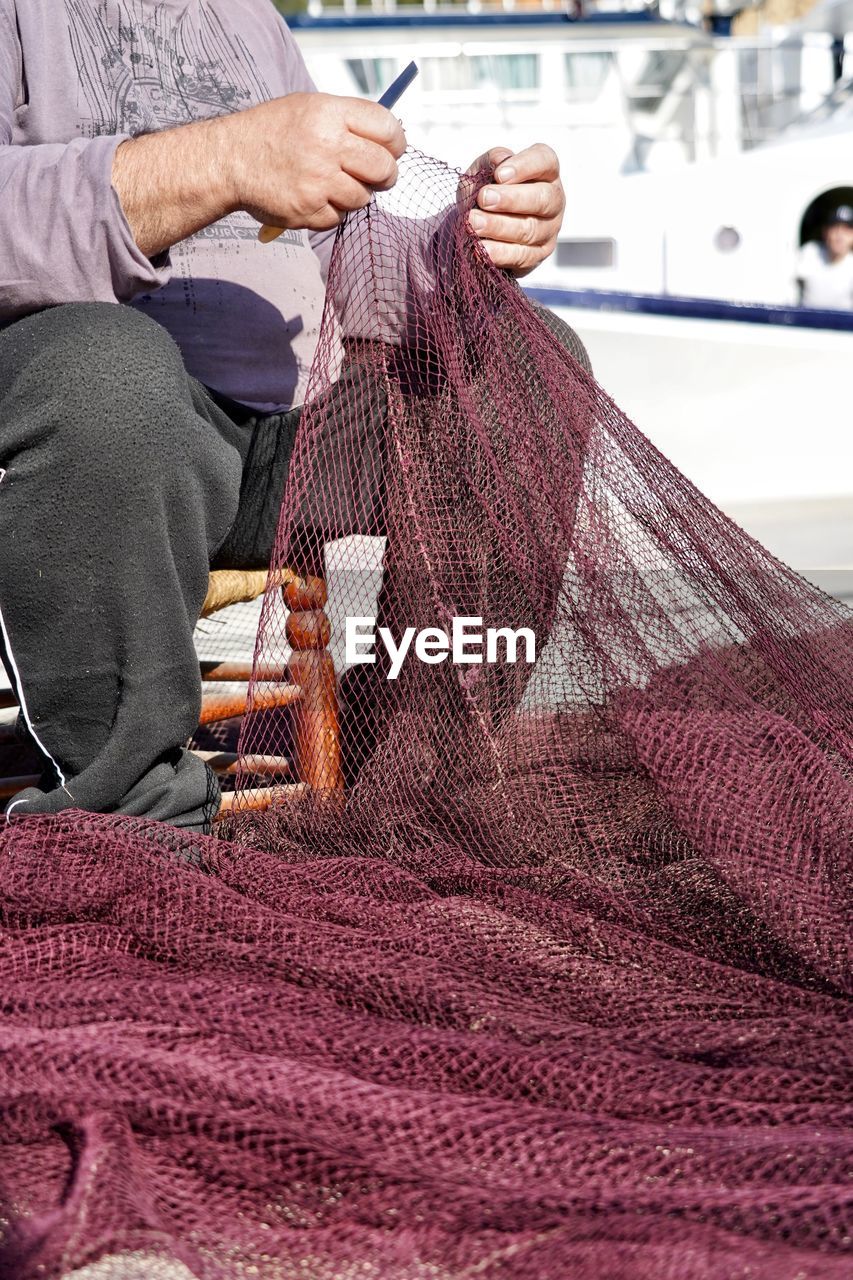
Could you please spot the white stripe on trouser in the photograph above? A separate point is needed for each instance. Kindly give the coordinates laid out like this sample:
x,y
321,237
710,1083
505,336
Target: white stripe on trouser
x,y
19,689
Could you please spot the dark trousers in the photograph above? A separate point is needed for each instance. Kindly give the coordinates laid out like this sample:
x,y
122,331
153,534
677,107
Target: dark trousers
x,y
121,481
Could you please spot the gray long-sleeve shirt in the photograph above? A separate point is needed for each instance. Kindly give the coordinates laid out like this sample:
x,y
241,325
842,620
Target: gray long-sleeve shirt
x,y
79,76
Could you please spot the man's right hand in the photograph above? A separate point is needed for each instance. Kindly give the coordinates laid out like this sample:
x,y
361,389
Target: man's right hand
x,y
301,161
308,159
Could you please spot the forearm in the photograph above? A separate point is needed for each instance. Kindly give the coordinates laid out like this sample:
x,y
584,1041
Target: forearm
x,y
171,184
299,161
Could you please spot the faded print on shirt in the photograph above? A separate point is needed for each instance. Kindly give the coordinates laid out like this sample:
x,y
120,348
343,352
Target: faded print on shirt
x,y
143,67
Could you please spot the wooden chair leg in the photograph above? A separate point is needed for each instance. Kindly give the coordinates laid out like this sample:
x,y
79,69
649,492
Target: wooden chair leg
x,y
316,727
312,693
10,786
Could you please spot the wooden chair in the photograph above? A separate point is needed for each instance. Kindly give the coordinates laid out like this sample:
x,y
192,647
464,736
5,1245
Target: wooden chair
x,y
307,684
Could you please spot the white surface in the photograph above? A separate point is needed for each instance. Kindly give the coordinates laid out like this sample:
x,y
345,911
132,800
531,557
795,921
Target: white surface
x,y
666,226
750,413
827,283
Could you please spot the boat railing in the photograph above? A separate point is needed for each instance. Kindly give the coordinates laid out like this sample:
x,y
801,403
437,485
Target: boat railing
x,y
691,308
320,8
690,11
670,88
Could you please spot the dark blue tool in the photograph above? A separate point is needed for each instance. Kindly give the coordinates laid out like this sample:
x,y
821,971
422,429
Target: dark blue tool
x,y
398,87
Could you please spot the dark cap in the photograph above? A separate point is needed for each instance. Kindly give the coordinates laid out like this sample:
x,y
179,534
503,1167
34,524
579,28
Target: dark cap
x,y
844,213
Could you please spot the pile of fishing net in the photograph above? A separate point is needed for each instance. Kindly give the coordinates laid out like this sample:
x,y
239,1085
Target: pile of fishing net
x,y
560,988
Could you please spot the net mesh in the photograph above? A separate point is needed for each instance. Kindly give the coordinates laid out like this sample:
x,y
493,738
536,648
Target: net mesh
x,y
547,974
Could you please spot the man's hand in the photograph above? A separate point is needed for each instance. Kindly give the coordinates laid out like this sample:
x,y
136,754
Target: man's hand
x,y
304,160
520,213
310,158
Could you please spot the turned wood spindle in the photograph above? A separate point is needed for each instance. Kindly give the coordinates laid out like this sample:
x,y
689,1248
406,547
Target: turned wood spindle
x,y
316,731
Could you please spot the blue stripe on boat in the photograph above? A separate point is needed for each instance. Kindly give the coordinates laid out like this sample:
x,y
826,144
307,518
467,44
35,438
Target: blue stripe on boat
x,y
693,308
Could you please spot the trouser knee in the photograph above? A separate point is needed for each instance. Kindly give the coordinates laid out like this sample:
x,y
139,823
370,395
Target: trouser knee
x,y
97,408
566,335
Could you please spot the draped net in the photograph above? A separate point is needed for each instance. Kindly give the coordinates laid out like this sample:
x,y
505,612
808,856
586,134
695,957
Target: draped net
x,y
558,984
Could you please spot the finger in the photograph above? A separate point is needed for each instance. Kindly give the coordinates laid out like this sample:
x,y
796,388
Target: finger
x,y
488,160
370,163
324,218
533,164
369,120
348,194
512,229
536,199
519,259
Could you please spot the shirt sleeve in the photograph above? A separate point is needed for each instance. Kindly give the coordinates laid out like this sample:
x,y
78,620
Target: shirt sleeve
x,y
802,271
63,234
807,260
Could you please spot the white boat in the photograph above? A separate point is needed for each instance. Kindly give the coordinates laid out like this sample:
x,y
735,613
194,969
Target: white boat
x,y
695,166
692,324
622,89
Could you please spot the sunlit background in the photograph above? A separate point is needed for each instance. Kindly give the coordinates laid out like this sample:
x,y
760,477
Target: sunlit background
x,y
701,149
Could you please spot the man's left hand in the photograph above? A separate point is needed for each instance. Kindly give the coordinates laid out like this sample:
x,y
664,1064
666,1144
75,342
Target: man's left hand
x,y
519,214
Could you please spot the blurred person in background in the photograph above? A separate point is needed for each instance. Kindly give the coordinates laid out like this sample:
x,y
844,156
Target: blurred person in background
x,y
825,267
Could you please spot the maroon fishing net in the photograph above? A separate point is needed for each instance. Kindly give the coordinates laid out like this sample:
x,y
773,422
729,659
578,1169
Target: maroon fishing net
x,y
546,974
